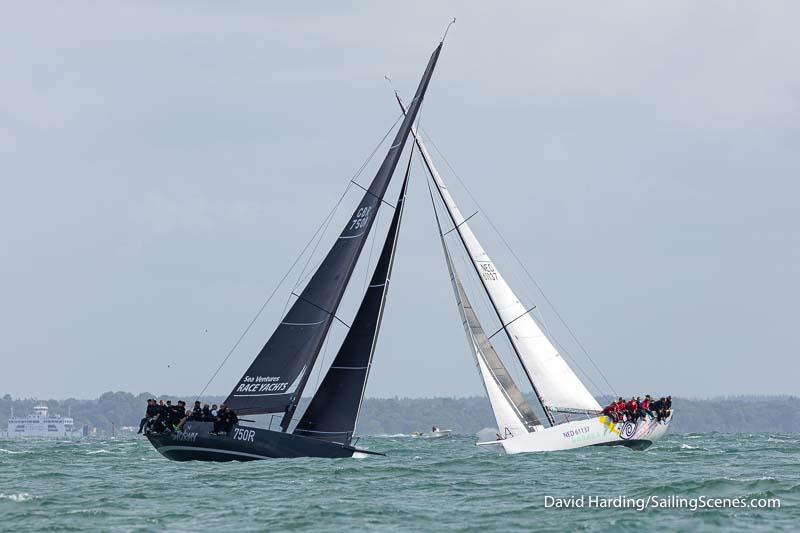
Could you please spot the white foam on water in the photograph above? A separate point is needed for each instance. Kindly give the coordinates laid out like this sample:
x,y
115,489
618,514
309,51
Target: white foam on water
x,y
12,452
97,451
687,447
360,455
19,497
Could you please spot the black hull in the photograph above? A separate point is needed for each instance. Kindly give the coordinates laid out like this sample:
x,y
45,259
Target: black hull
x,y
195,443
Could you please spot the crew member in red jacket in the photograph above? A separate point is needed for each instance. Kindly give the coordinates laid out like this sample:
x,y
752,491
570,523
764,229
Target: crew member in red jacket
x,y
644,408
633,409
610,411
620,409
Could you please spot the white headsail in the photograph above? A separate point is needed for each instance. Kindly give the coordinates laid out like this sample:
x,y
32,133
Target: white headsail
x,y
512,413
554,381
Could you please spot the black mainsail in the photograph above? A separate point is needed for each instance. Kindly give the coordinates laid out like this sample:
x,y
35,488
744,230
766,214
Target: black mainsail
x,y
275,380
334,409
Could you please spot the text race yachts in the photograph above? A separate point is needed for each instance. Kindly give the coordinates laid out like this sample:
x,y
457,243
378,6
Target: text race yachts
x,y
262,384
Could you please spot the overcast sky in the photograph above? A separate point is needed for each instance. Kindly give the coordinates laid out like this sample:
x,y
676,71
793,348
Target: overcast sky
x,y
162,164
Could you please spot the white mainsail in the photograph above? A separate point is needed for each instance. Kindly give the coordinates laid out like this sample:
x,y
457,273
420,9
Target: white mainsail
x,y
556,384
512,413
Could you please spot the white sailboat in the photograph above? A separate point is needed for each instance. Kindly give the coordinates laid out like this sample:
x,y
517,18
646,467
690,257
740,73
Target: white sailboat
x,y
573,417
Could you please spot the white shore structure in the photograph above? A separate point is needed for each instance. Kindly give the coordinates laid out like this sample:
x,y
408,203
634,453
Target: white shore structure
x,y
40,425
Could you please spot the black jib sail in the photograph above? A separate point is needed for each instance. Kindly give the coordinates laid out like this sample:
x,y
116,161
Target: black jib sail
x,y
275,380
333,411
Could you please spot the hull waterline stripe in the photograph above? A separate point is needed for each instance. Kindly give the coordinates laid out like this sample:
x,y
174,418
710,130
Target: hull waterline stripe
x,y
212,450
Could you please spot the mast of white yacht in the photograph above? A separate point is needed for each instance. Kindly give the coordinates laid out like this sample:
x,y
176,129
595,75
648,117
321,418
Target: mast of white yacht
x,y
556,386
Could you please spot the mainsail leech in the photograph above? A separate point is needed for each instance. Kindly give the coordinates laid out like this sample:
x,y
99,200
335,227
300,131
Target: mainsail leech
x,y
333,411
292,349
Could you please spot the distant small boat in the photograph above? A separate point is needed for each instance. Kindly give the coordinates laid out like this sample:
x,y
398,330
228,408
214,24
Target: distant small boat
x,y
437,433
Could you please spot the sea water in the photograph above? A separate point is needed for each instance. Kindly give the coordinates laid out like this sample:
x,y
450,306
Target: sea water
x,y
123,484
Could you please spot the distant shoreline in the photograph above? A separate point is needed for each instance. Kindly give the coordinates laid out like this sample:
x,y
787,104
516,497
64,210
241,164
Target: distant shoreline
x,y
732,414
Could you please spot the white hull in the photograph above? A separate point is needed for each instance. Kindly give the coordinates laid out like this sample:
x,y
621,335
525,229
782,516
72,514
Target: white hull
x,y
599,431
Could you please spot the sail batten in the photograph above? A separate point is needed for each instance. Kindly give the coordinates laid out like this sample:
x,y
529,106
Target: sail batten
x,y
283,365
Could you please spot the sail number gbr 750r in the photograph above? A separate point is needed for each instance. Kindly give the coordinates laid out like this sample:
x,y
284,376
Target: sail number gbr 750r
x,y
361,218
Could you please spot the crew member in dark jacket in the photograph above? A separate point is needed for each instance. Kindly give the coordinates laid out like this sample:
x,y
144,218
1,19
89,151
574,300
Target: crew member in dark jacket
x,y
197,411
230,419
667,407
169,414
219,420
658,407
179,412
152,409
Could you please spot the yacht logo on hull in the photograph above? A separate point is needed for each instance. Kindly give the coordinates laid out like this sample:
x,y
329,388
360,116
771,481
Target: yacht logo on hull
x,y
185,436
627,430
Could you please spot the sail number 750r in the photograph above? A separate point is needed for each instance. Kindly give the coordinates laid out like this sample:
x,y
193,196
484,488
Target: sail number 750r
x,y
246,435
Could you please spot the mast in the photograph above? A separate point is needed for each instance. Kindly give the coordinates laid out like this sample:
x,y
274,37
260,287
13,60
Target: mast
x,y
275,380
556,385
511,411
457,227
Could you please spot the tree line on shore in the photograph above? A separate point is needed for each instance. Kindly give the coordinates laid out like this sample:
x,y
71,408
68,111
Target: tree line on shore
x,y
740,414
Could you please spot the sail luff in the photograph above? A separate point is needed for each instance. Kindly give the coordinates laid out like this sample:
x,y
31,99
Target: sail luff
x,y
553,381
275,380
333,412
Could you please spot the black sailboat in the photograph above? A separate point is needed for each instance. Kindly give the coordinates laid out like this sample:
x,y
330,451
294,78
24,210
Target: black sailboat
x,y
274,382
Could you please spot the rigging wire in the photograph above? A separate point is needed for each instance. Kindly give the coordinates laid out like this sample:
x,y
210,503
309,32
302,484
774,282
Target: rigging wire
x,y
524,268
320,230
272,294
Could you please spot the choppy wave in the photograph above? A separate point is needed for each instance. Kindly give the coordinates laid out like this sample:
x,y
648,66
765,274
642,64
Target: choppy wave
x,y
436,484
19,497
11,452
